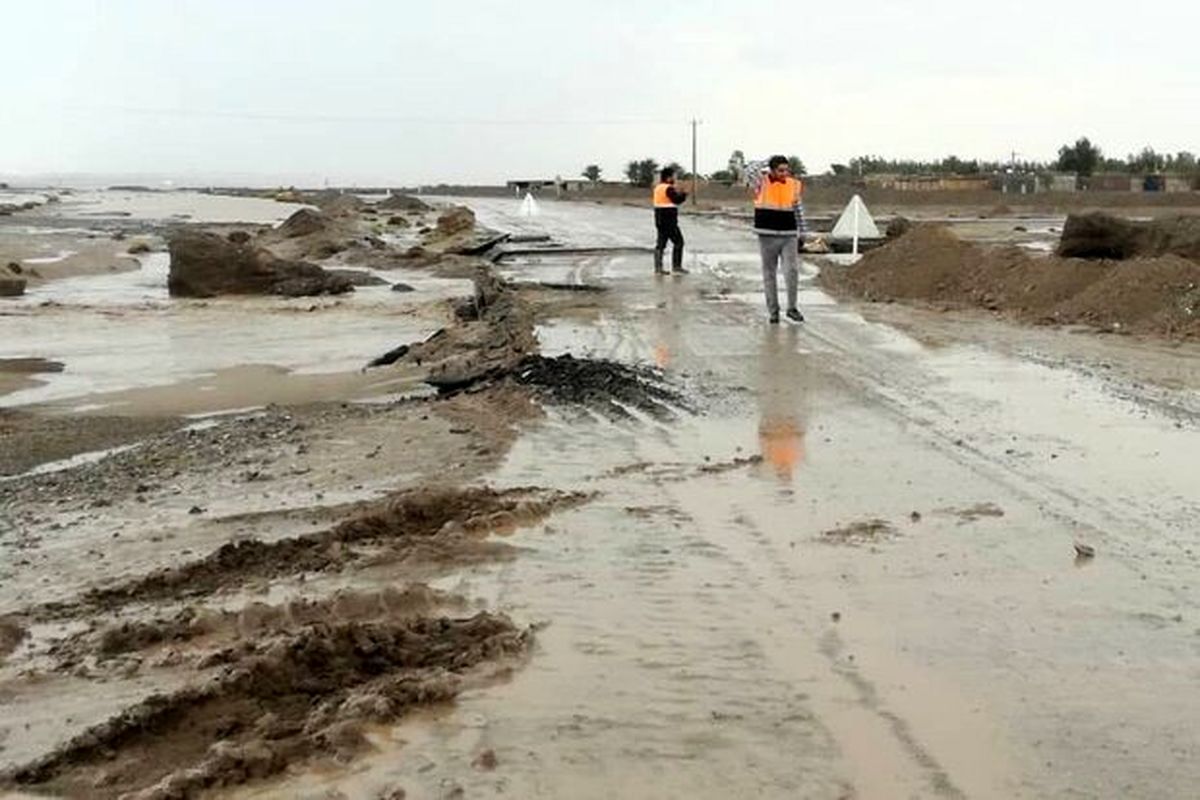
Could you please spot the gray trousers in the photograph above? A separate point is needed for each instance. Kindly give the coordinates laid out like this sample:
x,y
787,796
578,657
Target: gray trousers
x,y
773,248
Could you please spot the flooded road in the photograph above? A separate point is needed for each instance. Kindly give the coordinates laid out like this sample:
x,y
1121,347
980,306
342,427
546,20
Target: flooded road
x,y
888,605
853,573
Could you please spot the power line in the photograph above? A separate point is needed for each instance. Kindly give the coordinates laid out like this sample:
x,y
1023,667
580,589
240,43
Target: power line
x,y
371,119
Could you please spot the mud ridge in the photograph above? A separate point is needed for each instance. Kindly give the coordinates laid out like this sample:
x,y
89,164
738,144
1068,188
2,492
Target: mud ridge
x,y
494,343
426,525
12,633
205,634
290,699
1155,295
860,532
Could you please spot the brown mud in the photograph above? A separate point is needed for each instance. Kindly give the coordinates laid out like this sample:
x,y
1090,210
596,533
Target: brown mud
x,y
493,343
425,525
34,439
860,532
1155,296
202,633
279,701
12,633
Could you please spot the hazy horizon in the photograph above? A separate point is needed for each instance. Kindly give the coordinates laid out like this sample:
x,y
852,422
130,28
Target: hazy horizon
x,y
478,92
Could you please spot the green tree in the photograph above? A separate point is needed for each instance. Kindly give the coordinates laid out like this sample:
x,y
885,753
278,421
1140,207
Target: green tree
x,y
1183,162
642,173
1146,161
797,165
1081,158
737,165
591,172
647,172
680,172
953,165
722,176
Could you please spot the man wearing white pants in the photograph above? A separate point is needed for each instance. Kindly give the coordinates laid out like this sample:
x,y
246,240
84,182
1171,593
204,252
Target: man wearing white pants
x,y
779,223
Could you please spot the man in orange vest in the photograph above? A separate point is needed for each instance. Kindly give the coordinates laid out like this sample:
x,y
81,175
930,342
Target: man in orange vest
x,y
779,223
667,200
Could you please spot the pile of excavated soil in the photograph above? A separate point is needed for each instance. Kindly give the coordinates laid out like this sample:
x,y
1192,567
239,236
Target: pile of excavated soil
x,y
204,264
1155,296
1100,235
403,202
279,701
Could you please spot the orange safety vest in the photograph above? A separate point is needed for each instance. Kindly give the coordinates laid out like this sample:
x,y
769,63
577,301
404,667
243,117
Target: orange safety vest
x,y
775,204
660,196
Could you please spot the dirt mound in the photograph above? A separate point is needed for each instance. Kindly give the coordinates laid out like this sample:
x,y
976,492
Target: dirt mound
x,y
898,226
404,202
928,262
426,525
457,219
456,233
931,265
494,344
304,222
207,265
1103,236
280,701
1160,295
344,205
495,332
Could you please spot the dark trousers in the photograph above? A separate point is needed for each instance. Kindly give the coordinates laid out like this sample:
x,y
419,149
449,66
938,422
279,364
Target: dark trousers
x,y
672,234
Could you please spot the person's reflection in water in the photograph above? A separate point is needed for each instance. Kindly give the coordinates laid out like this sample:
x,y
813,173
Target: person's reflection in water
x,y
667,325
782,394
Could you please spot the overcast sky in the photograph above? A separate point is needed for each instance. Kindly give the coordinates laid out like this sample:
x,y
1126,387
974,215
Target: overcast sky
x,y
372,91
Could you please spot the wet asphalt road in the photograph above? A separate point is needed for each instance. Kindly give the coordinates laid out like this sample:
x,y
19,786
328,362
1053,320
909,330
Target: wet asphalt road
x,y
732,633
888,604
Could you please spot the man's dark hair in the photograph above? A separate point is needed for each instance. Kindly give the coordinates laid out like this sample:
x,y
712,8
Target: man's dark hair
x,y
777,161
667,172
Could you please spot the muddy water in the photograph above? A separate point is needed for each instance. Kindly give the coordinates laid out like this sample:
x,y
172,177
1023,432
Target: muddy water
x,y
184,206
853,575
885,602
117,332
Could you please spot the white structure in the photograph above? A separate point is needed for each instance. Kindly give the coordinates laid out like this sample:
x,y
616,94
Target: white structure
x,y
856,223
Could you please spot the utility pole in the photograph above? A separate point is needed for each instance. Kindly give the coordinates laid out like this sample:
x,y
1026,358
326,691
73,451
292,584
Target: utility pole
x,y
695,199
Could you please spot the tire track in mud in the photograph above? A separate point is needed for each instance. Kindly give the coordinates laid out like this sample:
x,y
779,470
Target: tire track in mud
x,y
286,683
661,579
1072,505
286,700
665,620
897,748
426,525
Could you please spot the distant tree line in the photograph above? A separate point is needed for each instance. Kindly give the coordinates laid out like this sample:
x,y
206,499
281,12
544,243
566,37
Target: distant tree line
x,y
1086,158
644,172
1082,158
